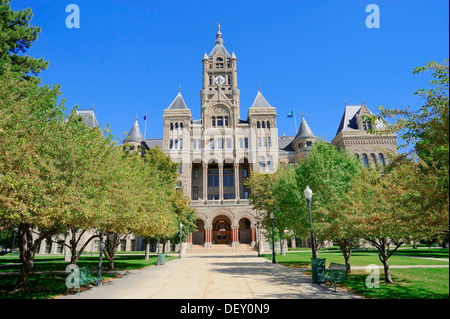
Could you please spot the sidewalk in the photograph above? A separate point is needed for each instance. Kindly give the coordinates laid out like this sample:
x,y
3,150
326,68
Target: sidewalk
x,y
214,276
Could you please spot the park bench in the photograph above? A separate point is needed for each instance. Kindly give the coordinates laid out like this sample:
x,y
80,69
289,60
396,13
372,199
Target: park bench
x,y
336,273
85,277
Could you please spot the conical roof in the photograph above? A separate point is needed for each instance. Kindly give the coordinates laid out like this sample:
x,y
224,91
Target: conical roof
x,y
135,134
304,131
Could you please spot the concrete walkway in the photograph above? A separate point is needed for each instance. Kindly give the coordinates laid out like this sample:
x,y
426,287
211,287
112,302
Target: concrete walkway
x,y
214,276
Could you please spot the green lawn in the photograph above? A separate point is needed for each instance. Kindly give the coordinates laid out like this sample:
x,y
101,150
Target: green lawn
x,y
416,283
52,284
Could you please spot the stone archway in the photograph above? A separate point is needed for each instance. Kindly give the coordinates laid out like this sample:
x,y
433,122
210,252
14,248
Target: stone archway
x,y
245,231
221,230
198,238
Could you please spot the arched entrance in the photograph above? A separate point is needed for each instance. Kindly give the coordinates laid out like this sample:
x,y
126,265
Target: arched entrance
x,y
245,231
198,238
221,230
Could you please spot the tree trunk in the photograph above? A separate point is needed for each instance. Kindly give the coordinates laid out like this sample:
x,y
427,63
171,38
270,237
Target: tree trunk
x,y
383,256
147,248
28,250
346,249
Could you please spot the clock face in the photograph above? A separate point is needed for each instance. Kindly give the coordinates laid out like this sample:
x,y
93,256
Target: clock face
x,y
219,80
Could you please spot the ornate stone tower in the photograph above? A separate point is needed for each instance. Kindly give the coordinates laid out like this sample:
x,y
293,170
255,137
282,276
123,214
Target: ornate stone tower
x,y
220,93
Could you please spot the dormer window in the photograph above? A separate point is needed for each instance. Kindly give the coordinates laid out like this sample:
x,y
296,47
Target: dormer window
x,y
366,125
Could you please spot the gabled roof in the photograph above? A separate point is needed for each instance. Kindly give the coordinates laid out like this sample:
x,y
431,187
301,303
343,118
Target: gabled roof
x,y
349,118
260,101
88,117
178,103
135,134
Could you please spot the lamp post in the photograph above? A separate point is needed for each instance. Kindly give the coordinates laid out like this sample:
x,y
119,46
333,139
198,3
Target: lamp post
x,y
273,240
181,228
308,195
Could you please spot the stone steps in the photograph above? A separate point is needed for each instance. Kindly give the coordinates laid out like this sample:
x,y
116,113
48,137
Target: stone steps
x,y
220,249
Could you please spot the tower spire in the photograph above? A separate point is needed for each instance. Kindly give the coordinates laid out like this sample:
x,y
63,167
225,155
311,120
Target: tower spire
x,y
219,39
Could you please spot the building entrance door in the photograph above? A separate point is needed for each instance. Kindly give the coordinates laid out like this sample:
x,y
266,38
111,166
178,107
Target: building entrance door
x,y
222,231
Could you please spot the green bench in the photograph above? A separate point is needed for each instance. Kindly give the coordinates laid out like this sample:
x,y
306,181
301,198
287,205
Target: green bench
x,y
85,277
336,273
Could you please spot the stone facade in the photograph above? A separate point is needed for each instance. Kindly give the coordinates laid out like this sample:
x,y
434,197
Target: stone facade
x,y
220,150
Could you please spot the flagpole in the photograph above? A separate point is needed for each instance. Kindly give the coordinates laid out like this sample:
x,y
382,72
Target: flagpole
x,y
145,130
295,120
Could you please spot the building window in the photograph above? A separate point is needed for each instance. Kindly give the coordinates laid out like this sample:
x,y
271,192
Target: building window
x,y
228,143
270,163
246,142
213,178
220,143
308,144
228,178
263,124
181,143
176,144
241,143
199,144
123,245
195,174
258,124
226,121
195,193
211,144
381,159
171,126
213,122
171,144
268,124
180,168
365,160
213,196
194,144
262,163
268,142
245,172
220,121
259,141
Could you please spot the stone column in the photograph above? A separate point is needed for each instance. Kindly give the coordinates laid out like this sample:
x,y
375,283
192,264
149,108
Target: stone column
x,y
208,237
236,182
221,182
253,243
205,182
235,236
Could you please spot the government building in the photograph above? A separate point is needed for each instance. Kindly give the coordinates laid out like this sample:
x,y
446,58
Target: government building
x,y
219,151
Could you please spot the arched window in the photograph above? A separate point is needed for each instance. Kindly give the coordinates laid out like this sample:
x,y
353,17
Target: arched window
x,y
176,126
171,126
258,124
181,126
219,59
365,160
268,124
381,159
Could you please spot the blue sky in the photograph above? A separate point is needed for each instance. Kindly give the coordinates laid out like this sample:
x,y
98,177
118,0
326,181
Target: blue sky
x,y
130,57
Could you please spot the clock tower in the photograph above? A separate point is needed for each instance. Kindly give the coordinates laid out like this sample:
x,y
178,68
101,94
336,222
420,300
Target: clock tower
x,y
220,94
